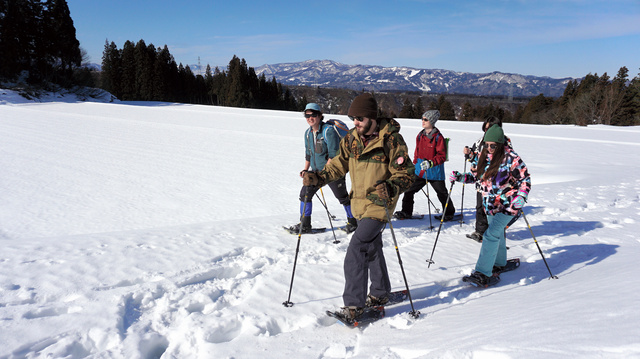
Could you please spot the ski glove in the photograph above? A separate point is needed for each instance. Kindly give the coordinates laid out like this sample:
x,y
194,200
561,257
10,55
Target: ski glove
x,y
384,190
426,164
310,178
456,176
519,200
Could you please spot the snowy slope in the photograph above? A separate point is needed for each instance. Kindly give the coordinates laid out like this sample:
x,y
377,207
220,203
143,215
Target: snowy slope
x,y
145,230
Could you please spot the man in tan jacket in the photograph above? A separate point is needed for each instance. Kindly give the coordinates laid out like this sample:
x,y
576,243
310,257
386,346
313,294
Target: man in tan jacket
x,y
376,157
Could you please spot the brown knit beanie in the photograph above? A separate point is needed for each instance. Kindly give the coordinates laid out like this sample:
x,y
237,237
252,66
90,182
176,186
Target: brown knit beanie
x,y
364,106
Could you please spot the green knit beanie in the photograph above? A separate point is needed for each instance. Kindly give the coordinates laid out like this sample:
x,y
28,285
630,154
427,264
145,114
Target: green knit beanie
x,y
494,134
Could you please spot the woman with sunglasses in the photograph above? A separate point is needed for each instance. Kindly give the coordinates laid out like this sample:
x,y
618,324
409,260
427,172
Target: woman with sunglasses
x,y
505,184
471,154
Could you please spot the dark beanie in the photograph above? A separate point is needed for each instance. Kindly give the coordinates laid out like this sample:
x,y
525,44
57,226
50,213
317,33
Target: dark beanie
x,y
494,134
364,106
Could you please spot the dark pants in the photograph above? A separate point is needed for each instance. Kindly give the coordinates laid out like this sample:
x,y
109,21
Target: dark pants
x,y
438,186
481,217
338,187
365,257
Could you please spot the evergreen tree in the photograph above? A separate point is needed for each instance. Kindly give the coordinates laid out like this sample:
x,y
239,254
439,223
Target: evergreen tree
x,y
128,75
144,58
418,108
407,109
535,110
467,112
64,46
111,69
19,24
445,107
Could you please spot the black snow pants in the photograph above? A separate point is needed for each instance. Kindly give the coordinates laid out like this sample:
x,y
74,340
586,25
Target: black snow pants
x,y
365,257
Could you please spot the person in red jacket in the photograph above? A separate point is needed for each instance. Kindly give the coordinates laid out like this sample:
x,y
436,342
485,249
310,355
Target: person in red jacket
x,y
429,157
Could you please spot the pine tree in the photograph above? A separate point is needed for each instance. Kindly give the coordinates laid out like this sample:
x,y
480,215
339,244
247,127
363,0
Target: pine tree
x,y
407,109
144,58
128,75
60,31
418,108
535,111
445,107
19,34
467,112
111,69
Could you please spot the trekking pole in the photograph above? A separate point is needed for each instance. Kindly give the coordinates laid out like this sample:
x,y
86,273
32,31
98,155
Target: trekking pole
x,y
414,313
429,198
540,250
324,205
295,260
430,224
462,203
430,260
335,240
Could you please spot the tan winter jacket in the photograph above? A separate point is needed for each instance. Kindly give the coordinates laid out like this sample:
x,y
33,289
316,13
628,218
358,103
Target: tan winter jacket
x,y
385,158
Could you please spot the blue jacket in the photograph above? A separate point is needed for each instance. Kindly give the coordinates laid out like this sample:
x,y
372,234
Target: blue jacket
x,y
324,146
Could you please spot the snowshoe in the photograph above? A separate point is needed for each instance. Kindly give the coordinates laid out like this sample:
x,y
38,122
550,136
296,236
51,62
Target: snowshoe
x,y
403,215
354,317
448,218
511,265
480,280
391,299
295,229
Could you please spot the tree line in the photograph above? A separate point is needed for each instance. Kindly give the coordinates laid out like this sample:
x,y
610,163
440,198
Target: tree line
x,y
592,100
38,42
141,72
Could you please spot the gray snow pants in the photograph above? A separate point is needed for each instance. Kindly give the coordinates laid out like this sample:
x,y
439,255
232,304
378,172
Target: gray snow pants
x,y
364,256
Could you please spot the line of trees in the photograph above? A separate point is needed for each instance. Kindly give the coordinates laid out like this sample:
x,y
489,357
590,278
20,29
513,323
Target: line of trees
x,y
141,72
38,42
593,100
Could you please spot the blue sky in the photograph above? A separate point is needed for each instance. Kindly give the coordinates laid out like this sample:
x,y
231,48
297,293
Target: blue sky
x,y
556,38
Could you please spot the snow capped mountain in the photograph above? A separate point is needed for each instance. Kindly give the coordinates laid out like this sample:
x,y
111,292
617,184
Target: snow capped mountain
x,y
327,73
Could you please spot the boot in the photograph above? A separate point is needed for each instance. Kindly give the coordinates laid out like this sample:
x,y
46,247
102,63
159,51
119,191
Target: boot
x,y
352,313
351,226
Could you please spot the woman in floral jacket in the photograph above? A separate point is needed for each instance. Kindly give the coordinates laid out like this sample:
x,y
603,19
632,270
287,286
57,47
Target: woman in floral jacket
x,y
505,184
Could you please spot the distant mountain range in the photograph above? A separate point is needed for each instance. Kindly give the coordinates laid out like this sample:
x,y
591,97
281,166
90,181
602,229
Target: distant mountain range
x,y
327,73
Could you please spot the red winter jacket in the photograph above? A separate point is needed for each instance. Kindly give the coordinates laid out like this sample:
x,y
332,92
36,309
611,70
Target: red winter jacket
x,y
430,147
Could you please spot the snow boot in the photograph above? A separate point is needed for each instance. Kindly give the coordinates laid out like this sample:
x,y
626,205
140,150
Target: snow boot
x,y
351,226
305,222
401,215
447,218
475,236
480,280
376,301
352,313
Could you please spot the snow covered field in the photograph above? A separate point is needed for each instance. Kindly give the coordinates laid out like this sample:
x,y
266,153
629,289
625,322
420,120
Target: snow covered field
x,y
146,230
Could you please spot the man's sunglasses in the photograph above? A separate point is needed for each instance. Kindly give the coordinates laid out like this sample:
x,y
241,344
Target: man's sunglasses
x,y
308,115
359,118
